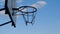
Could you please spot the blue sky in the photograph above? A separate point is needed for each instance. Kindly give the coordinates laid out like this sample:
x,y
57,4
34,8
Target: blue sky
x,y
47,20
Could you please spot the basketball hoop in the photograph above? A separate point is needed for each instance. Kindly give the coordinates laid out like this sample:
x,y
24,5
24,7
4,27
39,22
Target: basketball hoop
x,y
28,13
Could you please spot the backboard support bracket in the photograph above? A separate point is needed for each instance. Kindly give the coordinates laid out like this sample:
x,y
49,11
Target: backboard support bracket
x,y
7,11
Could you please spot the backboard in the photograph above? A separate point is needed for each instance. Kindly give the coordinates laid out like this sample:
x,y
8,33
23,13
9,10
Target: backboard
x,y
11,4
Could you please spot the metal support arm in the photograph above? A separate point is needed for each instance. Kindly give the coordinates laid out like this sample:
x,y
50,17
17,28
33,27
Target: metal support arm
x,y
2,9
5,23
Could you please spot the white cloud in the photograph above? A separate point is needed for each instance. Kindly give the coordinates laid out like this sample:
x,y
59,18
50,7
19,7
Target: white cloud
x,y
2,12
39,4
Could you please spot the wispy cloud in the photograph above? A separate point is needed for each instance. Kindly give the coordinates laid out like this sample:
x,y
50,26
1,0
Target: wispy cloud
x,y
2,12
39,4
